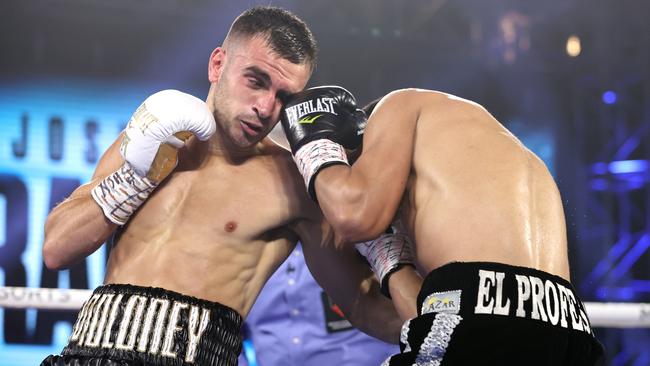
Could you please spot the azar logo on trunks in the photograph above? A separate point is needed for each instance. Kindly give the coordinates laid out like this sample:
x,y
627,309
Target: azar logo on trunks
x,y
309,120
535,298
442,302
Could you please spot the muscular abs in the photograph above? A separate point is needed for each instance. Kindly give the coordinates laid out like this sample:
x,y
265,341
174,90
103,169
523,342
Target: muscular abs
x,y
214,232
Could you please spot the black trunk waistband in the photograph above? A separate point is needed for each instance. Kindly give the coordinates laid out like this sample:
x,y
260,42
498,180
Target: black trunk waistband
x,y
484,288
155,326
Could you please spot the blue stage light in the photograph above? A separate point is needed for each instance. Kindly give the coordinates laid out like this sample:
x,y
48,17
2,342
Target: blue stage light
x,y
609,97
628,166
249,352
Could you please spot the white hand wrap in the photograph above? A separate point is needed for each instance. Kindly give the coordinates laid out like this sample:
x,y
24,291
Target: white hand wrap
x,y
386,254
316,155
157,129
121,193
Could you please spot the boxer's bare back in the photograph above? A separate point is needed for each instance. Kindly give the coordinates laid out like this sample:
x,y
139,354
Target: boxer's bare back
x,y
476,193
462,186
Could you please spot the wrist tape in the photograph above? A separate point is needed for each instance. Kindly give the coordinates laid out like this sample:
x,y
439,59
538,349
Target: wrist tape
x,y
122,193
314,156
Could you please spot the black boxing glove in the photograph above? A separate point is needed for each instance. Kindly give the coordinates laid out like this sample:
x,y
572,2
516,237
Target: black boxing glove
x,y
320,123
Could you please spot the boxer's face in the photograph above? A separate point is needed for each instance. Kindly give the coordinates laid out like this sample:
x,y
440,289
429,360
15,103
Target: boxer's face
x,y
251,82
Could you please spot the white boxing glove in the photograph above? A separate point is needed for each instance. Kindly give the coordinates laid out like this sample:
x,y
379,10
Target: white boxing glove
x,y
155,132
159,127
387,253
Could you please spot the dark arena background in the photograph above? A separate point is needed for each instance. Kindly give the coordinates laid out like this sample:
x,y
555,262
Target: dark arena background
x,y
570,78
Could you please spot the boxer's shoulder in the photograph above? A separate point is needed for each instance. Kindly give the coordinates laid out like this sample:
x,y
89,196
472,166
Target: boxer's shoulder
x,y
402,100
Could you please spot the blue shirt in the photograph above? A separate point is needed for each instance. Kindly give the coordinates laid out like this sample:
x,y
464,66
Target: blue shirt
x,y
293,322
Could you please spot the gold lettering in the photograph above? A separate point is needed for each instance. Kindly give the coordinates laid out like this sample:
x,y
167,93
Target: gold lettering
x,y
105,304
148,322
194,334
124,325
81,318
109,327
91,306
158,330
172,328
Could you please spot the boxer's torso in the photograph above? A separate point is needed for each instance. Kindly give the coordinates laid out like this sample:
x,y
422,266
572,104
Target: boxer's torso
x,y
216,229
475,193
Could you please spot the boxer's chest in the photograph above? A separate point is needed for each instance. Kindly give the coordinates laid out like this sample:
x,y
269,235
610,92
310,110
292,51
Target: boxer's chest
x,y
242,201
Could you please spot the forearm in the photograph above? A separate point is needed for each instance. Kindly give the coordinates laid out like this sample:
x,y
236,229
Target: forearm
x,y
404,286
350,204
74,229
128,172
348,280
375,315
378,316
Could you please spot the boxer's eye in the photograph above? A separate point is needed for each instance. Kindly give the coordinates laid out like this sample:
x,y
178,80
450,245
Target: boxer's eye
x,y
255,83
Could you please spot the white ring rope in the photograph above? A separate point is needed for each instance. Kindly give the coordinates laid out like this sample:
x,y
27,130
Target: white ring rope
x,y
601,314
42,298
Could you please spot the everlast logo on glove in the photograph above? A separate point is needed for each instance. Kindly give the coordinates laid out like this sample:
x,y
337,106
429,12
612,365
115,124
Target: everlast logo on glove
x,y
320,123
296,113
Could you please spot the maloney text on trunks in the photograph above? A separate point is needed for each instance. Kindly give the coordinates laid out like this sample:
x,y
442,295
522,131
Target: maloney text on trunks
x,y
144,324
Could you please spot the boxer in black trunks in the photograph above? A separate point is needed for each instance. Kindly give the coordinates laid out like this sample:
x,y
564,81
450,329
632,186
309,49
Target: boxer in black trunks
x,y
123,324
485,313
205,206
475,201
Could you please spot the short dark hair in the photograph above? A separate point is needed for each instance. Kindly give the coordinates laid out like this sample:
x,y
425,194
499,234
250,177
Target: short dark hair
x,y
368,108
286,34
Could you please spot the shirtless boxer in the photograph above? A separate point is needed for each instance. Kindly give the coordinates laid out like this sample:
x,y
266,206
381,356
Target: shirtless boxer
x,y
195,243
484,212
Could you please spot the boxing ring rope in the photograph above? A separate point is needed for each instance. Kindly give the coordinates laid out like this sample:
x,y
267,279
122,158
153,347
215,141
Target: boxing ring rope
x,y
601,314
42,298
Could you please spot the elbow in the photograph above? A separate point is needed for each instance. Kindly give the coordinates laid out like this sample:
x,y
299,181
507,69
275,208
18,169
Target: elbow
x,y
354,224
52,256
51,253
354,214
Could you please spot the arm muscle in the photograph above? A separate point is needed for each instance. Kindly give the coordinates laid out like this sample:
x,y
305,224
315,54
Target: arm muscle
x,y
350,282
77,227
360,201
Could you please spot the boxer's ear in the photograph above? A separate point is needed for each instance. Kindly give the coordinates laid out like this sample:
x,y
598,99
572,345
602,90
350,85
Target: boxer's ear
x,y
216,63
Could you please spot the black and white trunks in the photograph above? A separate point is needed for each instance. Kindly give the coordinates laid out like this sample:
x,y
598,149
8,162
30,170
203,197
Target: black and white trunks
x,y
132,325
482,313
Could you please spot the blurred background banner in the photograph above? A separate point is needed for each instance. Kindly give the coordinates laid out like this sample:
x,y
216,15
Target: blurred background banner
x,y
570,78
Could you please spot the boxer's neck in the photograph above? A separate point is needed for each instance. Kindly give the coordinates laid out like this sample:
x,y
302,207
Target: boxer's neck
x,y
220,145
